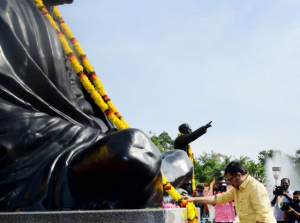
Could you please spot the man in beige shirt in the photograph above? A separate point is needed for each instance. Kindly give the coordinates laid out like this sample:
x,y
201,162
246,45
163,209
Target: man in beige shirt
x,y
250,196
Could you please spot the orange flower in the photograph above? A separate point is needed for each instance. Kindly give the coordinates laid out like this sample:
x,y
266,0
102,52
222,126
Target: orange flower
x,y
81,75
83,57
168,186
105,97
44,10
93,76
109,112
183,203
73,40
71,56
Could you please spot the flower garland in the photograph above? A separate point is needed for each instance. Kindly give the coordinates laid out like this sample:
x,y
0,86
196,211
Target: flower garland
x,y
97,92
191,209
99,95
191,156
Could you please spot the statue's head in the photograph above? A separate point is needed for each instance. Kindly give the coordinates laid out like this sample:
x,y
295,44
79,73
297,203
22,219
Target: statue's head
x,y
185,128
57,2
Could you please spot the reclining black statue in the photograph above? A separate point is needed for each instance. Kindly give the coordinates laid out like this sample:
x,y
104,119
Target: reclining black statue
x,y
58,151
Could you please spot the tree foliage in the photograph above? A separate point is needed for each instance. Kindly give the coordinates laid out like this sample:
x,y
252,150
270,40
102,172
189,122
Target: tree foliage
x,y
296,160
297,157
163,141
212,165
263,155
256,169
207,167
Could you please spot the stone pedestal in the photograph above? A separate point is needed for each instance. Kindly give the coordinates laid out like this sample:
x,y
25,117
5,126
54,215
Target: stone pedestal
x,y
176,215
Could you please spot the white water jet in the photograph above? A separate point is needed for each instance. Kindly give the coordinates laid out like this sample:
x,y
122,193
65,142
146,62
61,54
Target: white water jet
x,y
287,171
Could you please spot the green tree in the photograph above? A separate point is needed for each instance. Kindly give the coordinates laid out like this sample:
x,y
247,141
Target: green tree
x,y
296,159
198,171
207,167
226,161
163,141
244,160
263,155
255,169
211,165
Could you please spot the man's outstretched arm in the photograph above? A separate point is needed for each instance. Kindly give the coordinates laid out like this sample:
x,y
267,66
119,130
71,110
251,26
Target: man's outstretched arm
x,y
202,200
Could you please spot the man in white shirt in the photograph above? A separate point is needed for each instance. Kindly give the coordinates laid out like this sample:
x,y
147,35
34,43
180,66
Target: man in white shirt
x,y
280,197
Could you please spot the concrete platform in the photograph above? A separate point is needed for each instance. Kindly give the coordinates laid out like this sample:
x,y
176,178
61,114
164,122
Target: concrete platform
x,y
176,215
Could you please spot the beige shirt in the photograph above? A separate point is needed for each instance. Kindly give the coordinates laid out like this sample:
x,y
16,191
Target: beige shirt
x,y
251,201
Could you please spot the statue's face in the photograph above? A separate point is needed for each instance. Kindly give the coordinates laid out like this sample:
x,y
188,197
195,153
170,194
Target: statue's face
x,y
188,129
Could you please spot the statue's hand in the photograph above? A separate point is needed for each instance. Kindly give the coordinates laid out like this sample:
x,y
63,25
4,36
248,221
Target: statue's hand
x,y
208,125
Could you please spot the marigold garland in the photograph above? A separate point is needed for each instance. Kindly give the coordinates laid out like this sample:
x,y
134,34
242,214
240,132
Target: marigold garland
x,y
191,209
191,157
86,64
99,95
97,92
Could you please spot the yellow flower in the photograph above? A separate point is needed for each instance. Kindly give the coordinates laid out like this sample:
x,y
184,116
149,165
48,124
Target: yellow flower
x,y
191,209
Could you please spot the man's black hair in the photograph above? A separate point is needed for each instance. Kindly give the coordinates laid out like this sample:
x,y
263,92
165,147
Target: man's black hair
x,y
200,186
235,167
221,178
286,179
296,192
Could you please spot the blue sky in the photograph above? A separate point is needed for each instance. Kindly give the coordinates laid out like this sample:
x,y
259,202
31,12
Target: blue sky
x,y
164,63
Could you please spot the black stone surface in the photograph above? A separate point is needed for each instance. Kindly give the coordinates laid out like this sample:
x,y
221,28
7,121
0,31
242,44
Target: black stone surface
x,y
111,216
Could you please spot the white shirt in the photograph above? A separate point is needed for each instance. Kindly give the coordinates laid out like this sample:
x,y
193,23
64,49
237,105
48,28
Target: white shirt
x,y
278,213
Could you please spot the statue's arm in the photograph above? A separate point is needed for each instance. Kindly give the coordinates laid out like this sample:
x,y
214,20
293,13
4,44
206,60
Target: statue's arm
x,y
197,133
188,138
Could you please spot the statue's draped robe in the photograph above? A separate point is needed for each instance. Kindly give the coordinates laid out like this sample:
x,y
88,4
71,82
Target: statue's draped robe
x,y
46,118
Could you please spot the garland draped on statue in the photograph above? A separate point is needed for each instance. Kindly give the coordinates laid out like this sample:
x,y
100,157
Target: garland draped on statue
x,y
94,87
191,157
